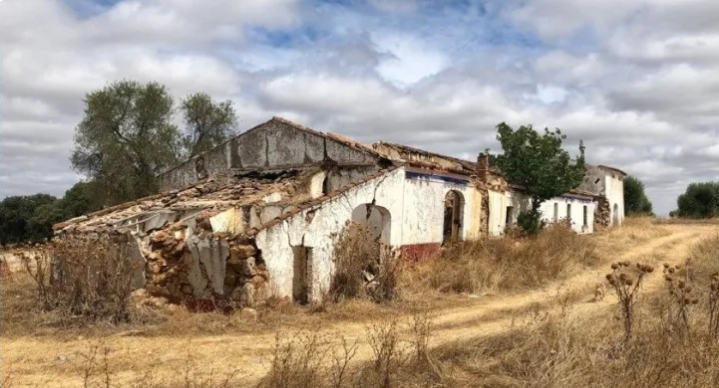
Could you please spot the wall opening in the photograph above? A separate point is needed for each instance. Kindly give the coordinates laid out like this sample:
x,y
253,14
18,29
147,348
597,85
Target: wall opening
x,y
615,214
586,215
326,185
509,217
302,276
556,212
377,218
569,212
453,213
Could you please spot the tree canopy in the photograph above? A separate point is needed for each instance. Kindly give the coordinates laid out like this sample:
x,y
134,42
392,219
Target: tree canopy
x,y
700,200
539,164
30,218
128,136
17,219
635,199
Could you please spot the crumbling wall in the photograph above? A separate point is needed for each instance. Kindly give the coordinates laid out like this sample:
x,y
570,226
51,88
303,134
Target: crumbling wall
x,y
317,227
602,214
187,263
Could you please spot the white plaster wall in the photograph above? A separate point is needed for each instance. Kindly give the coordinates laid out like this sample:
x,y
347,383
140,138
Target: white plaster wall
x,y
315,228
577,212
615,195
498,203
424,210
497,212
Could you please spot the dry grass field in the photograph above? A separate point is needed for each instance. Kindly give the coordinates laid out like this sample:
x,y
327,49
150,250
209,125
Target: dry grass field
x,y
499,313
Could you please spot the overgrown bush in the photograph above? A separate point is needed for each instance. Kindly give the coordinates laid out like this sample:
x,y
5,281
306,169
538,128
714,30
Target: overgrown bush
x,y
530,221
88,277
363,266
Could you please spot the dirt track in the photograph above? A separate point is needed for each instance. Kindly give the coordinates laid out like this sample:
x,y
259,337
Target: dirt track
x,y
39,362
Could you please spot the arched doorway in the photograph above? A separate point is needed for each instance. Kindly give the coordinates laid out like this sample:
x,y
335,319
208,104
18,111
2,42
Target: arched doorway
x,y
615,215
378,218
453,213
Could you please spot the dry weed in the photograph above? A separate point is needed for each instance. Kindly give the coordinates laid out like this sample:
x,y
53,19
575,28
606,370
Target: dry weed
x,y
509,264
626,280
363,266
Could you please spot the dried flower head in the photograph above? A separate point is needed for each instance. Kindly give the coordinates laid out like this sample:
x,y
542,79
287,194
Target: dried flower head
x,y
681,284
669,278
671,269
622,276
666,266
628,282
615,265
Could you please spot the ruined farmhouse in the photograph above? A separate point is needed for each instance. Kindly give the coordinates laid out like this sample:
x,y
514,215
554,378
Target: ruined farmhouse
x,y
258,215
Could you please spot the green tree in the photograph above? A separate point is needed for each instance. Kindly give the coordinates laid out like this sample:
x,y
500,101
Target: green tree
x,y
539,164
17,221
207,123
700,200
635,199
127,137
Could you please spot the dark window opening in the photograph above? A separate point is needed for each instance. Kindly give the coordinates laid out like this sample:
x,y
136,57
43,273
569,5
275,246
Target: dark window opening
x,y
509,217
586,216
569,212
302,277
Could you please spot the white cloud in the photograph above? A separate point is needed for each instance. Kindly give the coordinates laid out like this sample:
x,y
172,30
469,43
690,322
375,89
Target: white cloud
x,y
635,79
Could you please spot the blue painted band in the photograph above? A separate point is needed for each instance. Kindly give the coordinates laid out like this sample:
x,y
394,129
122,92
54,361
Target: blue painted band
x,y
435,178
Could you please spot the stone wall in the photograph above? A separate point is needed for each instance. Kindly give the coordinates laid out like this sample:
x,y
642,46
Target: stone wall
x,y
204,266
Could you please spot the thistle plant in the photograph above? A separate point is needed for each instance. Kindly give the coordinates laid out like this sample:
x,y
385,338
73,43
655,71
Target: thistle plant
x,y
681,297
626,281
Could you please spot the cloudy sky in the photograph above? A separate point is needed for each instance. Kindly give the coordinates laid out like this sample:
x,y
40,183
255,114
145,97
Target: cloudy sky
x,y
637,80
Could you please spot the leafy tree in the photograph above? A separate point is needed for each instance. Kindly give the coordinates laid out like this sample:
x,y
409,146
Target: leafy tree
x,y
17,222
30,218
539,164
127,137
207,123
635,199
700,200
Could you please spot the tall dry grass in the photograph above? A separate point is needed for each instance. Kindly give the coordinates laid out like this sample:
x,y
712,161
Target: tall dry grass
x,y
364,267
506,264
578,350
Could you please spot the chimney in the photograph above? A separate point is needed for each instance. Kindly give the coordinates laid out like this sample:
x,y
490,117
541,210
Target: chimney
x,y
483,167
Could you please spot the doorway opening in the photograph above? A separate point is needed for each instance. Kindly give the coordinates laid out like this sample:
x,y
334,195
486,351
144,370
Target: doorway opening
x,y
453,213
302,276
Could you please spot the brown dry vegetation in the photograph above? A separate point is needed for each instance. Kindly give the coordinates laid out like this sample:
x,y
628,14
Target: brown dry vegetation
x,y
557,347
508,264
